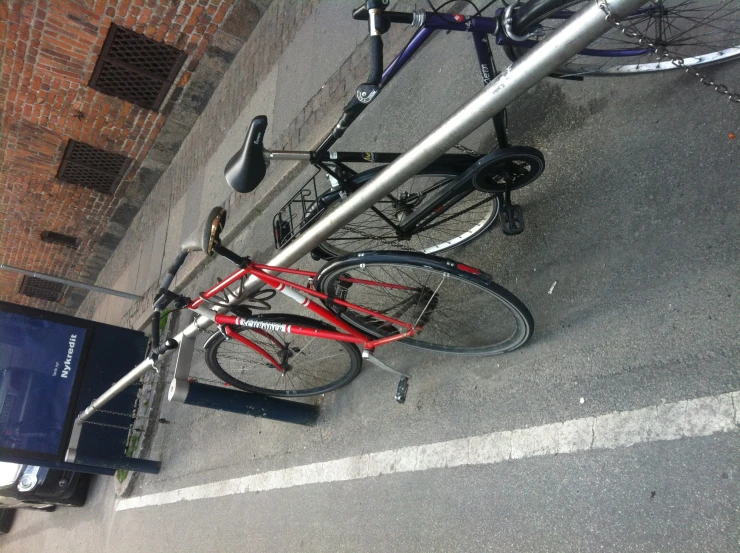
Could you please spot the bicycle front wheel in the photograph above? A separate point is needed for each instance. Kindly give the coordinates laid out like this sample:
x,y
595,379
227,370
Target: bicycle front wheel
x,y
464,221
460,309
311,365
703,32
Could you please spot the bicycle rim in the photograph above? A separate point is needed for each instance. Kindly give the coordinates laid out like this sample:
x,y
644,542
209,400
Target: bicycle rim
x,y
703,32
460,224
460,312
315,366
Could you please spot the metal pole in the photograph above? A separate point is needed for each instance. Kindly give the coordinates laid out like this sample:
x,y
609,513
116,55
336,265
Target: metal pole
x,y
577,33
75,284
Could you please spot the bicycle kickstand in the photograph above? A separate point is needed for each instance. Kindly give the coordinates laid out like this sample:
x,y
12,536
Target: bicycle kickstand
x,y
403,383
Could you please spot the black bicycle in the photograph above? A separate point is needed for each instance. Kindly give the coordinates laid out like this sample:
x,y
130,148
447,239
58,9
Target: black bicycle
x,y
459,196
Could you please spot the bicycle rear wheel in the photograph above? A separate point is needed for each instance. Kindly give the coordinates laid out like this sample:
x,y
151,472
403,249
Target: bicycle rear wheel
x,y
463,222
461,310
701,31
314,366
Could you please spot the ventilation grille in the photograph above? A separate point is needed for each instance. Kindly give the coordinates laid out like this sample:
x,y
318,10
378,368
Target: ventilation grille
x,y
136,68
92,168
42,289
60,239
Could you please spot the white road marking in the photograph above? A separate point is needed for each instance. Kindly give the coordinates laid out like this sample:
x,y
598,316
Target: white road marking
x,y
670,421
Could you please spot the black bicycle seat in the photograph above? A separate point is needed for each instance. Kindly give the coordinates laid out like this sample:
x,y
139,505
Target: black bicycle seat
x,y
246,169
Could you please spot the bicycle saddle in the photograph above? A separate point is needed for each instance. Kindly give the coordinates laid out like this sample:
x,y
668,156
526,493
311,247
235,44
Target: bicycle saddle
x,y
208,235
246,169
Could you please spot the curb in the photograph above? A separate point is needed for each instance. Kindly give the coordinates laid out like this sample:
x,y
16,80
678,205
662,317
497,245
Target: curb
x,y
147,414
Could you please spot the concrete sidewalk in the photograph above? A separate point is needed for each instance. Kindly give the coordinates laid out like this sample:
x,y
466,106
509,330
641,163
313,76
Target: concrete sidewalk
x,y
299,67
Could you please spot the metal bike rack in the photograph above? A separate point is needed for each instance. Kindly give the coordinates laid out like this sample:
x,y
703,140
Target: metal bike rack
x,y
579,31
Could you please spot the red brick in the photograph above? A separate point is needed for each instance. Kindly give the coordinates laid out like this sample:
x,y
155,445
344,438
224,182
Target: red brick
x,y
219,17
43,81
195,15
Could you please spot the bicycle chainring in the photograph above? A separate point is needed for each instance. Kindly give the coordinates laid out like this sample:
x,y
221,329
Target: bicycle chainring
x,y
508,169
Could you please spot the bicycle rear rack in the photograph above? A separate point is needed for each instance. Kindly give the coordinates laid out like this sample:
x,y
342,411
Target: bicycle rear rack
x,y
291,219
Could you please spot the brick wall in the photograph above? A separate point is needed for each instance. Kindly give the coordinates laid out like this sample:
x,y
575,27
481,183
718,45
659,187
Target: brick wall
x,y
48,50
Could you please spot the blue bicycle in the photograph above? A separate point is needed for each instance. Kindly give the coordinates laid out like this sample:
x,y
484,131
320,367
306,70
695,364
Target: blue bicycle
x,y
460,196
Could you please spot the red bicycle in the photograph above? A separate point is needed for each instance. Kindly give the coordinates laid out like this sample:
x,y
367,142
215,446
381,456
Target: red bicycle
x,y
369,299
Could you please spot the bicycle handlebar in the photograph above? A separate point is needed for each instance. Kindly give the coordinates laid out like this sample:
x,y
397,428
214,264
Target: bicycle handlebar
x,y
376,60
377,25
361,14
172,271
161,302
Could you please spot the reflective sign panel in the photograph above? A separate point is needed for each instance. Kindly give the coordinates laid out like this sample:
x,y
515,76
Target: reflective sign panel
x,y
39,360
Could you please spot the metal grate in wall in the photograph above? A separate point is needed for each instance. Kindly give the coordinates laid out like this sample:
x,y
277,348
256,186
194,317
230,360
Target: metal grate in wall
x,y
60,239
34,287
136,68
91,167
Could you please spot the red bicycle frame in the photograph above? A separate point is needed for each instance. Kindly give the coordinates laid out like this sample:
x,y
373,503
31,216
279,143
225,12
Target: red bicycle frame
x,y
296,292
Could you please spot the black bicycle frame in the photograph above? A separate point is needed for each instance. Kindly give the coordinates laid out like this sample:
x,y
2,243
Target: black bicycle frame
x,y
480,27
451,192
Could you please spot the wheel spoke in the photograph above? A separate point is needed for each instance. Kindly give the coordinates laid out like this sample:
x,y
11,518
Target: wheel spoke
x,y
310,365
469,216
455,314
702,31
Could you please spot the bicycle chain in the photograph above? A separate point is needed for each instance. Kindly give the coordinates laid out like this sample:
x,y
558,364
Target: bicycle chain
x,y
466,150
631,31
131,415
94,423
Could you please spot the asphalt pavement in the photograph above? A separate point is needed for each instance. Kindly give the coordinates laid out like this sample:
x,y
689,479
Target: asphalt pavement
x,y
634,223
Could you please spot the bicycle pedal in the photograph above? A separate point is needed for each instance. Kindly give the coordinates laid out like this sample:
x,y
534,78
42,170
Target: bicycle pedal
x,y
402,390
512,220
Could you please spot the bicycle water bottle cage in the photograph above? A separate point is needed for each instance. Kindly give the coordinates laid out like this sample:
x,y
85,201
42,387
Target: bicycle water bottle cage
x,y
246,169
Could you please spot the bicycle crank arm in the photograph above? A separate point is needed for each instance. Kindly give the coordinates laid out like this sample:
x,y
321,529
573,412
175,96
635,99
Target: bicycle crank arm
x,y
403,383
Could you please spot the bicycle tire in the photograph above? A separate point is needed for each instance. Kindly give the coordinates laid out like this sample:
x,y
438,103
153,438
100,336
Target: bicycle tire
x,y
466,226
539,12
457,320
271,374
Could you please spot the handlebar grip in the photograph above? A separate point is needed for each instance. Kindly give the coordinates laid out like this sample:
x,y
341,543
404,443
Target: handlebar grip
x,y
179,260
172,271
155,332
361,14
376,60
157,348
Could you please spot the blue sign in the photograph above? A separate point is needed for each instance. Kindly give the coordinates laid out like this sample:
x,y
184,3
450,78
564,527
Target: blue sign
x,y
38,365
